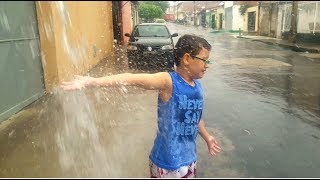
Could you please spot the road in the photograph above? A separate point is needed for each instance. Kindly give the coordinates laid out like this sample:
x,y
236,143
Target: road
x,y
262,103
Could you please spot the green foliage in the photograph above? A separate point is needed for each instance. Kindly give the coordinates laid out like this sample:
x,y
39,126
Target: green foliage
x,y
243,9
150,11
164,5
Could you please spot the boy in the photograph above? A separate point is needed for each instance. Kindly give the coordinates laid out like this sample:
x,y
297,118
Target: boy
x,y
180,107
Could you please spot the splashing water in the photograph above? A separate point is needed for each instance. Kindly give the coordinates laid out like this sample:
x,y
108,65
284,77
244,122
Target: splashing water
x,y
79,51
81,150
90,121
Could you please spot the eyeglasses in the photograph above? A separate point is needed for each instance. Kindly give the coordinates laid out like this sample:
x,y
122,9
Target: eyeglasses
x,y
205,61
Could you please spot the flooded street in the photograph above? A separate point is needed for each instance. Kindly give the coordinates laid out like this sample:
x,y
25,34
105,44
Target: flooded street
x,y
261,102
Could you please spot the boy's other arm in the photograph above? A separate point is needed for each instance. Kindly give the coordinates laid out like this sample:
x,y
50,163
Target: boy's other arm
x,y
210,140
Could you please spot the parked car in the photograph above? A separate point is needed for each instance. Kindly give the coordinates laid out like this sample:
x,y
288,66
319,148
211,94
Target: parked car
x,y
150,47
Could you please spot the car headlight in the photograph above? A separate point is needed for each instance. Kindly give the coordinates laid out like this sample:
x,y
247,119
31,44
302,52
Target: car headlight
x,y
166,47
132,47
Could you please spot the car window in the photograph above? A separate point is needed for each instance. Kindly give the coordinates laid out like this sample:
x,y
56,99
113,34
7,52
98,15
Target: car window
x,y
151,31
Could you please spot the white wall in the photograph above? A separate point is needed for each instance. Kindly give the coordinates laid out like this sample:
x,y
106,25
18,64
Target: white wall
x,y
228,4
170,10
307,14
237,21
279,23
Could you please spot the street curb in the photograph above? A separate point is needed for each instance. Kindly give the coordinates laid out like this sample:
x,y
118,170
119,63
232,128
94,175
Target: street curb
x,y
294,48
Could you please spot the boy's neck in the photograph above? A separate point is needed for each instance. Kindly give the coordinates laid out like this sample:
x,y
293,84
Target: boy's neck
x,y
184,74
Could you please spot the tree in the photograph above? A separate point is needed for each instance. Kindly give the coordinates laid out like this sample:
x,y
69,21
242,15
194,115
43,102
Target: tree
x,y
243,8
164,5
293,29
149,11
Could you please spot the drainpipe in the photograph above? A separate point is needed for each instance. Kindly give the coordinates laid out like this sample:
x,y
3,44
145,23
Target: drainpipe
x,y
293,29
174,10
177,11
258,24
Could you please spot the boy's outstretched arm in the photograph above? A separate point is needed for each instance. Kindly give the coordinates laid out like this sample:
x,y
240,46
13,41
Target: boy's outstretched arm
x,y
212,144
156,81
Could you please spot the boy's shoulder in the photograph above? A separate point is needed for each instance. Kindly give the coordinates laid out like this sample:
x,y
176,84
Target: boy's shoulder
x,y
164,76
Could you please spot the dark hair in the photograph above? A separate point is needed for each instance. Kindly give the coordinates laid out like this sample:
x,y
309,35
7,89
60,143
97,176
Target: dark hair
x,y
189,44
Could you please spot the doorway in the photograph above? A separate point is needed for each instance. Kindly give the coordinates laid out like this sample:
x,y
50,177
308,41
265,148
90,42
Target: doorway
x,y
213,20
220,21
251,21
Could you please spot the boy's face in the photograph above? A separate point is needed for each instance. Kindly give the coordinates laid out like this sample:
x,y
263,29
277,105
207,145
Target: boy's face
x,y
198,64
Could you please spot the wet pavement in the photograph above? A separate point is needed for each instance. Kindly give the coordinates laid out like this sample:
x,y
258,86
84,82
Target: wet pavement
x,y
261,102
313,48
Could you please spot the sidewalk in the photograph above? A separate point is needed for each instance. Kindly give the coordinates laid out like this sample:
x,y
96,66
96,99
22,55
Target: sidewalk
x,y
298,47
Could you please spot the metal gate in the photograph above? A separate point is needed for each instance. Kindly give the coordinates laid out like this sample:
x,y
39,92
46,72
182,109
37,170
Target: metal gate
x,y
213,19
21,73
251,21
220,21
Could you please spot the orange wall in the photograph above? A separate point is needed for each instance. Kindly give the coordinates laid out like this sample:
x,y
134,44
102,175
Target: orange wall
x,y
126,20
74,37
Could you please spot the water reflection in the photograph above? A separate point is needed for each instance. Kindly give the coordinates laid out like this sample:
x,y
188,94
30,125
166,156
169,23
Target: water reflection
x,y
297,84
266,99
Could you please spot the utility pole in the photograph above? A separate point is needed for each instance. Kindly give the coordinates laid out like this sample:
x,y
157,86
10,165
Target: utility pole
x,y
194,13
293,29
174,10
258,24
177,9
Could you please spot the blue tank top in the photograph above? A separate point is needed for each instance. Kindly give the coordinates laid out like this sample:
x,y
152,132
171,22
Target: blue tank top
x,y
178,119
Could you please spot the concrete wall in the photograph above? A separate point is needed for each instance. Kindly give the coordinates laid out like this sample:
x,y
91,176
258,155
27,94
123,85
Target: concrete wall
x,y
74,37
268,19
307,15
274,20
265,19
228,18
284,19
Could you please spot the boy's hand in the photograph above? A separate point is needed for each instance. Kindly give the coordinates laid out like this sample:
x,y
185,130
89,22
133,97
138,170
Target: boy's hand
x,y
78,83
213,146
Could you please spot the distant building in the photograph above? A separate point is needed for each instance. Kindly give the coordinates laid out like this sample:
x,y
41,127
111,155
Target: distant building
x,y
308,20
199,12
